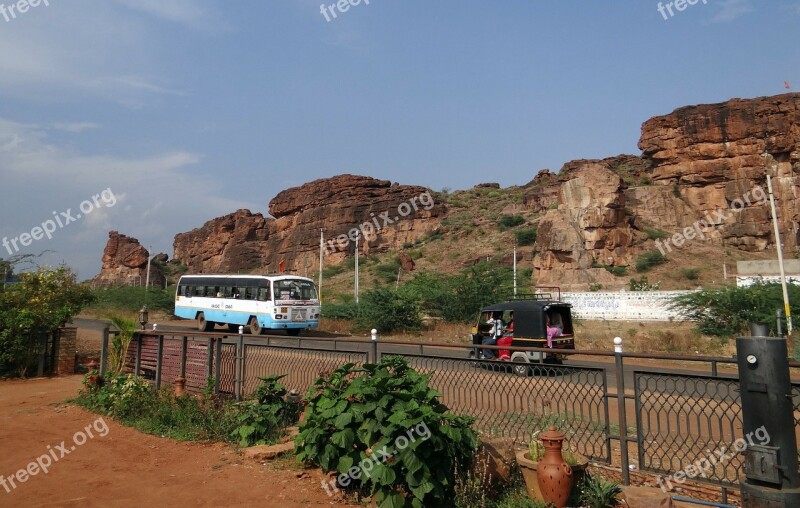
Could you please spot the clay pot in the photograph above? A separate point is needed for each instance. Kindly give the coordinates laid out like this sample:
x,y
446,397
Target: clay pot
x,y
180,386
555,475
531,477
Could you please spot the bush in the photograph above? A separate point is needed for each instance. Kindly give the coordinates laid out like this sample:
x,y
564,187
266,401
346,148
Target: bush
x,y
526,236
690,273
333,270
642,284
387,272
655,234
264,418
388,424
648,260
511,221
130,298
36,306
728,311
135,403
388,310
347,310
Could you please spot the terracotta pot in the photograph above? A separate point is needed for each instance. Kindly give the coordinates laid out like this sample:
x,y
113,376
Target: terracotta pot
x,y
180,386
531,477
555,475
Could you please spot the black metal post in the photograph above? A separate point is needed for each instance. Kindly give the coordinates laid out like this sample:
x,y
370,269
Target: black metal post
x,y
104,352
218,365
184,352
768,416
238,363
138,363
210,366
159,358
42,354
623,420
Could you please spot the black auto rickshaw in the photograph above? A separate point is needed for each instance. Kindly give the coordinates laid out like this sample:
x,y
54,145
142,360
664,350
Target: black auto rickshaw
x,y
531,316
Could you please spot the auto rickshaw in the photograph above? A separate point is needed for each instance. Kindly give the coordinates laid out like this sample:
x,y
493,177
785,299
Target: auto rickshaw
x,y
531,315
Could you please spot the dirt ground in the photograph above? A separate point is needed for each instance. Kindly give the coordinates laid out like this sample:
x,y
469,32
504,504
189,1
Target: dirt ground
x,y
125,467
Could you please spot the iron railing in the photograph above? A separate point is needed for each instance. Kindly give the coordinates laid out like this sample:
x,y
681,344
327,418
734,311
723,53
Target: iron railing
x,y
665,419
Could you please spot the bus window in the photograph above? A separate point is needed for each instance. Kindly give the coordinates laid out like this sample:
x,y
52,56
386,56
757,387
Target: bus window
x,y
263,294
249,294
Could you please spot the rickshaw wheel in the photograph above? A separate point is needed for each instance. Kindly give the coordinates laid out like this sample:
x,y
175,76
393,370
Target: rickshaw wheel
x,y
521,369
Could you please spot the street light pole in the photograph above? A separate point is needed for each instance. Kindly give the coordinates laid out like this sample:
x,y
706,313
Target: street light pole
x,y
780,252
356,285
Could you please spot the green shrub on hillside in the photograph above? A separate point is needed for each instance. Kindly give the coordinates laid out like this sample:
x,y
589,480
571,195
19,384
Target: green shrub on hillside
x,y
648,260
526,236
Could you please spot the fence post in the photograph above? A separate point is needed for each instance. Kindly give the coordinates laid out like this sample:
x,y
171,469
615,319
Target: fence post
x,y
159,357
138,363
238,363
184,353
104,353
42,354
374,345
621,405
218,364
210,366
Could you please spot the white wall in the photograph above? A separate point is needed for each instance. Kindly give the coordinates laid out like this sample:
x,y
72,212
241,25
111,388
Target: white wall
x,y
623,305
744,281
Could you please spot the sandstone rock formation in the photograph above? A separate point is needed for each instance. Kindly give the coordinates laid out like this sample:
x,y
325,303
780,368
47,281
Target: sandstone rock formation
x,y
588,228
712,155
387,215
698,163
125,263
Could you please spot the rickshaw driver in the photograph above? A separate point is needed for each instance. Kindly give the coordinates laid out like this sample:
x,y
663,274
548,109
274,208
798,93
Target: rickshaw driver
x,y
495,333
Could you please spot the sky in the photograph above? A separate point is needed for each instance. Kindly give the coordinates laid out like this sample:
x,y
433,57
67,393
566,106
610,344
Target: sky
x,y
154,116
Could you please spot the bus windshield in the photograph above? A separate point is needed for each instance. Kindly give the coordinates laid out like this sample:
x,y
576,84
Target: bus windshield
x,y
294,289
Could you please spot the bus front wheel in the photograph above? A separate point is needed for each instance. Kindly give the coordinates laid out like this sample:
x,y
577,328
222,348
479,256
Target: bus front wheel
x,y
202,324
254,327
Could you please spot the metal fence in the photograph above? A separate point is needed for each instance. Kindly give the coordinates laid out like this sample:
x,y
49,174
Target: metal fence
x,y
658,420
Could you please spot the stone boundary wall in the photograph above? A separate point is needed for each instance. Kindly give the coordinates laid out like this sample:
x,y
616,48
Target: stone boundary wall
x,y
623,305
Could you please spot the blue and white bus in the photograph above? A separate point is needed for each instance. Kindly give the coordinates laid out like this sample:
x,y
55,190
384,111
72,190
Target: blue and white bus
x,y
258,302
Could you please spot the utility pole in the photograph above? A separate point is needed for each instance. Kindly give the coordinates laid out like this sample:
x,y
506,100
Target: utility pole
x,y
515,269
779,248
147,280
356,285
321,246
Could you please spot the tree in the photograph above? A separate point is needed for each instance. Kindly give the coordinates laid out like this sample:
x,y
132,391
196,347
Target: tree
x,y
38,305
728,311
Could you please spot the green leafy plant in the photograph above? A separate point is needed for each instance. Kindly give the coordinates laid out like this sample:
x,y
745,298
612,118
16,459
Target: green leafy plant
x,y
511,221
690,273
33,308
648,260
728,311
655,234
595,286
264,418
597,492
120,342
642,284
385,421
526,236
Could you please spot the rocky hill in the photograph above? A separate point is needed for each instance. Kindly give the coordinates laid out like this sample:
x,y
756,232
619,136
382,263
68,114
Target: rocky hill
x,y
697,165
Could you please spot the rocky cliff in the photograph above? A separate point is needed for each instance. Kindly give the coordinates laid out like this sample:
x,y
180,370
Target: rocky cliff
x,y
125,263
386,214
700,164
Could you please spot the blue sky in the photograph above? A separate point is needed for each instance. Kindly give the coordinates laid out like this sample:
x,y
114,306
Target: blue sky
x,y
190,109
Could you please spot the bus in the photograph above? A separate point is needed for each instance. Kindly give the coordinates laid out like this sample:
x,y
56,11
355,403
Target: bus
x,y
257,302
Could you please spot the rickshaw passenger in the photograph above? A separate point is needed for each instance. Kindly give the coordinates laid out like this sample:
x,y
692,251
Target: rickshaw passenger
x,y
494,333
552,331
506,340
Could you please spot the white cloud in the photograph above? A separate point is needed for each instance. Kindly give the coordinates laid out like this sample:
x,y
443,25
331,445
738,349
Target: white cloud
x,y
75,127
157,196
730,10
